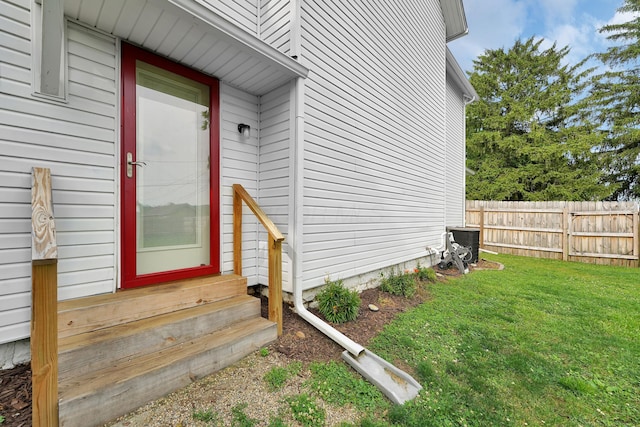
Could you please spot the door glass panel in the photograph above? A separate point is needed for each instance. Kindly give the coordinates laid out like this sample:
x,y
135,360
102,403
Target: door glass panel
x,y
172,184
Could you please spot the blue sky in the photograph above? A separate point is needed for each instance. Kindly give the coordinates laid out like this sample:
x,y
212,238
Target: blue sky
x,y
495,24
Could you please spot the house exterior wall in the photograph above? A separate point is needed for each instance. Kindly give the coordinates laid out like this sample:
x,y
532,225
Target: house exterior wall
x,y
455,157
374,179
274,174
374,135
243,13
239,165
79,141
275,23
268,20
76,139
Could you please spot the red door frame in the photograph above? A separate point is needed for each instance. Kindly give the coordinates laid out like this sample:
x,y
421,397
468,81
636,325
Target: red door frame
x,y
130,54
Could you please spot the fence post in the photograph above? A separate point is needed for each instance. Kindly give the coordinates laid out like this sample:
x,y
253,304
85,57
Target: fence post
x,y
636,234
44,307
565,234
481,226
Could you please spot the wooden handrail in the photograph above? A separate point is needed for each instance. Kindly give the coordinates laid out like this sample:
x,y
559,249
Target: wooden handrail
x,y
44,306
258,212
275,250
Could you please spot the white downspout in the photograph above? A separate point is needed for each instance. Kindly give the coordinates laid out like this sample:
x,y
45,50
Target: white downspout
x,y
297,221
396,384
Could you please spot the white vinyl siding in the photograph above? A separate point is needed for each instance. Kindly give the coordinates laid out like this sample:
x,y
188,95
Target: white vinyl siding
x,y
275,27
376,185
262,170
455,157
239,165
374,135
242,13
275,135
76,141
167,29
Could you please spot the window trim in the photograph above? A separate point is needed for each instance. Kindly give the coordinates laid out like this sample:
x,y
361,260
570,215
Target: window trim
x,y
36,55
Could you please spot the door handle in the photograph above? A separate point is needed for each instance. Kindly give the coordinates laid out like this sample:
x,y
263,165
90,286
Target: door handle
x,y
131,164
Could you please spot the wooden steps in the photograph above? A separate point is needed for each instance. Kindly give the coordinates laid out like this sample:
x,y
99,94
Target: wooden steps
x,y
118,352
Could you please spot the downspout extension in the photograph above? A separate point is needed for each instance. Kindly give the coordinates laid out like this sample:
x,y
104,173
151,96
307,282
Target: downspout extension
x,y
394,383
347,343
298,171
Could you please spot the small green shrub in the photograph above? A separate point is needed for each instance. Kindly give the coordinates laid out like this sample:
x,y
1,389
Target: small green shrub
x,y
337,303
305,410
425,274
399,284
239,418
371,422
207,416
277,376
277,422
264,352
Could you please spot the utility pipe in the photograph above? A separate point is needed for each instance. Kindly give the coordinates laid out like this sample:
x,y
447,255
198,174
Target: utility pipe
x,y
442,244
296,215
298,218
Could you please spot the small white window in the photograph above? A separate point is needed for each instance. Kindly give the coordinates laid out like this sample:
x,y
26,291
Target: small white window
x,y
48,49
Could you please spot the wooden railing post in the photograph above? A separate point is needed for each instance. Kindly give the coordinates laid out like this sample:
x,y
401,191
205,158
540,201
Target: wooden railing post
x,y
275,282
44,307
237,233
275,250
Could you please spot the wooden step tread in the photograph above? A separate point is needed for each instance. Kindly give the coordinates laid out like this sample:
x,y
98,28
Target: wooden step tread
x,y
93,382
102,311
125,294
85,352
132,328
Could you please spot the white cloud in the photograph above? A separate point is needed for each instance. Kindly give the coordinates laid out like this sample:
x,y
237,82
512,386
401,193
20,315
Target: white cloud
x,y
622,17
554,11
492,24
618,18
601,38
582,40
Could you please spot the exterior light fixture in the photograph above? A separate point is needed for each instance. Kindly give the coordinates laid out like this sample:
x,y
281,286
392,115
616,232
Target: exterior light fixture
x,y
245,130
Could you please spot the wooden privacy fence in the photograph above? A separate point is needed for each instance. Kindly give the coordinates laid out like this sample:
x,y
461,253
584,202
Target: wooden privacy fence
x,y
592,232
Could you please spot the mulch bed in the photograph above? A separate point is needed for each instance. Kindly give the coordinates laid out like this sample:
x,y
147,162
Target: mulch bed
x,y
299,341
15,396
304,342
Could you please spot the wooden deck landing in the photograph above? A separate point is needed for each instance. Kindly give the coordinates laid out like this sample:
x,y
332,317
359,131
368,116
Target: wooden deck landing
x,y
120,351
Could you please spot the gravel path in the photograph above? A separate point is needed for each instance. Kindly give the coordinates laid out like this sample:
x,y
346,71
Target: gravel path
x,y
243,382
218,393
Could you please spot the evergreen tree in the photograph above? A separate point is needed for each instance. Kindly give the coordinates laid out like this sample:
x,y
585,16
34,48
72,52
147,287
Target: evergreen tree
x,y
526,138
616,95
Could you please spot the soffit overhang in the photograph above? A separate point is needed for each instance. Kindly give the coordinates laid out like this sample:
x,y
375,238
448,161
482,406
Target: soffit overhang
x,y
454,18
188,32
455,73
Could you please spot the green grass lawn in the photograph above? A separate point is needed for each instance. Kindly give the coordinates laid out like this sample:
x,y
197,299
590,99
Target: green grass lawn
x,y
539,343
